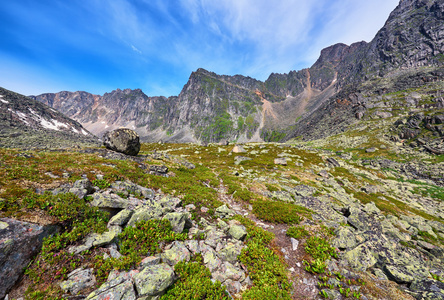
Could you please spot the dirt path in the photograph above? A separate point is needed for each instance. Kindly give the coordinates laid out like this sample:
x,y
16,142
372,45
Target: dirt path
x,y
304,283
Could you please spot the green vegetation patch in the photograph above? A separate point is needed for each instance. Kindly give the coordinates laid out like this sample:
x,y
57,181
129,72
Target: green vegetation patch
x,y
280,212
266,270
137,242
195,283
297,232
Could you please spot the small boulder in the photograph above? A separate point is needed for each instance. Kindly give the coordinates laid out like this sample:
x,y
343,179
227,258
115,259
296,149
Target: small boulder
x,y
223,211
158,170
280,161
122,140
238,232
238,149
178,221
153,280
178,252
78,280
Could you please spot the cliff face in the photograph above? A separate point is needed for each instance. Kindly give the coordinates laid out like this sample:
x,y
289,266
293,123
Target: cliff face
x,y
212,107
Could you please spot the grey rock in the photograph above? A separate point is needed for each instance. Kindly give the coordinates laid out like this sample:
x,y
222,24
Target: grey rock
x,y
149,261
78,280
238,232
333,162
108,202
119,286
230,252
239,159
122,140
345,239
238,149
294,244
153,280
280,161
158,170
154,211
19,242
179,221
121,218
178,252
223,211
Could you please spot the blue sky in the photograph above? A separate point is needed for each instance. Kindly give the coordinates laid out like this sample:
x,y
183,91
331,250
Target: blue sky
x,y
100,45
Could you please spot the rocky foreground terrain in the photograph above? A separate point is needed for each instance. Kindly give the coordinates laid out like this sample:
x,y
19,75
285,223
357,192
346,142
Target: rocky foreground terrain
x,y
335,218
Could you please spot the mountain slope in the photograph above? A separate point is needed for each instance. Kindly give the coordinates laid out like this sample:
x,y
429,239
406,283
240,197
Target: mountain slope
x,y
27,123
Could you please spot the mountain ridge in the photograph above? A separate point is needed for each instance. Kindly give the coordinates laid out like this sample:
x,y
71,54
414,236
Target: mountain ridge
x,y
214,107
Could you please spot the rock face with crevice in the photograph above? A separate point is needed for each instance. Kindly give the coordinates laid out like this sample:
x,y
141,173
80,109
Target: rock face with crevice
x,y
19,242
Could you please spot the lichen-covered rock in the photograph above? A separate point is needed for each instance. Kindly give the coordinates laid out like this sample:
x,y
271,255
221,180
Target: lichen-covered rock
x,y
428,289
108,201
345,239
361,258
122,140
223,211
19,242
78,280
154,211
193,246
121,218
170,202
230,252
406,274
107,237
211,261
133,188
153,280
178,221
81,188
149,261
213,236
178,252
238,232
119,286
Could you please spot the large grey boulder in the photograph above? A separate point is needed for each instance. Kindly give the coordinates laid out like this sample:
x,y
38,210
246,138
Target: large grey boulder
x,y
19,242
122,140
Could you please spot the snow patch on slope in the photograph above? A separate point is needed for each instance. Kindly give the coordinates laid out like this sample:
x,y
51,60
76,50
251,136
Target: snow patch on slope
x,y
48,124
4,101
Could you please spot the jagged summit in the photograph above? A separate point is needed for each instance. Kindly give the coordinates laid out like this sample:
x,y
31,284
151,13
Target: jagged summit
x,y
212,107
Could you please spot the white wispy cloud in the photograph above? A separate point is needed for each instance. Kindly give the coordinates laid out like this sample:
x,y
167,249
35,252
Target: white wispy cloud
x,y
117,43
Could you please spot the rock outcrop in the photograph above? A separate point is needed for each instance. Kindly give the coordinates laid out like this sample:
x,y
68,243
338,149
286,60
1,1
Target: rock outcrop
x,y
19,243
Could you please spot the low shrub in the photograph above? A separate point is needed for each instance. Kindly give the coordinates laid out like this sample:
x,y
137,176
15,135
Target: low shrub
x,y
195,283
279,212
297,232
